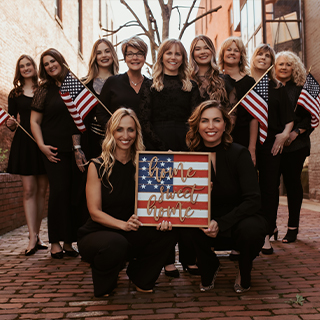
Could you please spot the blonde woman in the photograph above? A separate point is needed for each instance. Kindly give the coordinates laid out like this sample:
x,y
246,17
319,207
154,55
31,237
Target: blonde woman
x,y
25,157
204,70
113,234
292,74
280,123
233,64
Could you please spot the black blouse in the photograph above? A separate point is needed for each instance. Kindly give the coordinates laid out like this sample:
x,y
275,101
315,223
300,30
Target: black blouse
x,y
120,202
117,92
235,191
57,124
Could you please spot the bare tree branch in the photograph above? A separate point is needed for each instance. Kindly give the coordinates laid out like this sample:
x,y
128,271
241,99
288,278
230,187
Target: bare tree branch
x,y
132,23
187,24
152,20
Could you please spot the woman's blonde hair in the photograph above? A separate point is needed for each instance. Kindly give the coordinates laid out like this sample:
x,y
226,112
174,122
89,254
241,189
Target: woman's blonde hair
x,y
18,81
243,64
109,143
93,65
193,137
136,43
183,71
299,72
216,88
265,48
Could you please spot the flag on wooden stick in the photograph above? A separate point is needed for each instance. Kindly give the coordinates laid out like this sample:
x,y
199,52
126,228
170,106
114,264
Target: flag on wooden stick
x,y
310,99
78,99
256,103
4,116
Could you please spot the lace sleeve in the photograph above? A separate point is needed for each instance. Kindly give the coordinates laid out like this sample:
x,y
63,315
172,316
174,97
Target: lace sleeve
x,y
39,98
150,139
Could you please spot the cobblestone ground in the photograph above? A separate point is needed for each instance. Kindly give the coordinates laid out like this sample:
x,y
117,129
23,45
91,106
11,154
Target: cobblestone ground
x,y
38,287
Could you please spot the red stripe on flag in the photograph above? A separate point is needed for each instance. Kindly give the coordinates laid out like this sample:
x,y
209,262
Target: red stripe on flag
x,y
197,222
190,158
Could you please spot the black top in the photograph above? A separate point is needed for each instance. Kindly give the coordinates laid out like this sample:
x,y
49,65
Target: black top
x,y
235,191
25,157
302,118
57,124
117,92
170,105
236,90
279,113
120,202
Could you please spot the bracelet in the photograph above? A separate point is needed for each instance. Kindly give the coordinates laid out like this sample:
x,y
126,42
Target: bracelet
x,y
77,146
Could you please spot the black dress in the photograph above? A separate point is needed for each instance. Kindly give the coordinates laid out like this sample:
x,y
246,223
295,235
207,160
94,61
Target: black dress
x,y
164,115
117,92
280,113
294,155
25,157
108,249
57,128
235,204
236,90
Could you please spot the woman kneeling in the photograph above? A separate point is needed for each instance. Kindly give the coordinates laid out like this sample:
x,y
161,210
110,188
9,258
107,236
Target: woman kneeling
x,y
235,197
112,235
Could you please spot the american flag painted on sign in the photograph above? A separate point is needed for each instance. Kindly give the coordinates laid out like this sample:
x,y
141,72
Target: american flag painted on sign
x,y
3,116
310,99
78,99
187,198
256,103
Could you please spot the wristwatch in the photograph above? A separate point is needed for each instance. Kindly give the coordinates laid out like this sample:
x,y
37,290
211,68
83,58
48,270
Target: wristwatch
x,y
297,131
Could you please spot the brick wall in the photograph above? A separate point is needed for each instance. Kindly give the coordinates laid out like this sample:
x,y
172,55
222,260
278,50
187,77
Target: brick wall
x,y
312,45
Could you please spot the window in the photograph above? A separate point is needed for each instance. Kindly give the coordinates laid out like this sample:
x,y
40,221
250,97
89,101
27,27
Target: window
x,y
230,20
58,10
80,45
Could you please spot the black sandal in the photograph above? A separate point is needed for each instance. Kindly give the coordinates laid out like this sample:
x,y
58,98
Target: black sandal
x,y
291,236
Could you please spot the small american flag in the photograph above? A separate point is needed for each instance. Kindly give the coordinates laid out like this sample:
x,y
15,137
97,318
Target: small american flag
x,y
256,103
310,99
78,99
3,116
185,201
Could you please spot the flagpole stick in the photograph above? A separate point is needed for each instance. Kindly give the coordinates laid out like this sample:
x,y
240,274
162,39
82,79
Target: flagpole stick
x,y
87,89
249,90
20,125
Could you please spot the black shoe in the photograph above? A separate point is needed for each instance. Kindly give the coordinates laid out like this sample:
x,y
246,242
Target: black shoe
x,y
267,251
291,235
57,255
71,253
192,271
31,251
274,234
173,273
41,246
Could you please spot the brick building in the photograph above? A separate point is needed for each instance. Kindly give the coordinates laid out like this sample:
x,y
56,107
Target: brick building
x,y
30,27
285,25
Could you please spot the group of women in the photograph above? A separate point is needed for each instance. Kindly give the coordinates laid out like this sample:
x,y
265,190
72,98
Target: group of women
x,y
184,107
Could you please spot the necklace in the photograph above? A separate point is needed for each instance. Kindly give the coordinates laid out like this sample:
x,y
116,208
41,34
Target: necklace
x,y
134,83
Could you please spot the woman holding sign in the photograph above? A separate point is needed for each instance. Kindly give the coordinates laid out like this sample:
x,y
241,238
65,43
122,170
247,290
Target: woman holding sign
x,y
235,197
280,123
113,234
25,157
52,127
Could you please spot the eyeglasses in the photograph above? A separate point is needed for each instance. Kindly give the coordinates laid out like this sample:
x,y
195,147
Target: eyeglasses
x,y
137,54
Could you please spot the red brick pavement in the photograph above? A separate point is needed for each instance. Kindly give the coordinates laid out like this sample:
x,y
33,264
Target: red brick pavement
x,y
38,287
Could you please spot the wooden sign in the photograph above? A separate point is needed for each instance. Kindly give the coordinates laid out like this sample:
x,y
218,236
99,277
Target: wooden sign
x,y
173,186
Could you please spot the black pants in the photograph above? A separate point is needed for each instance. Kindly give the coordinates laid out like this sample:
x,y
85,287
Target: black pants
x,y
247,236
291,168
107,251
269,181
62,217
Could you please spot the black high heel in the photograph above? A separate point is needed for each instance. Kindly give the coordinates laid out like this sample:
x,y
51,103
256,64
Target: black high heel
x,y
31,251
192,271
41,245
291,236
274,234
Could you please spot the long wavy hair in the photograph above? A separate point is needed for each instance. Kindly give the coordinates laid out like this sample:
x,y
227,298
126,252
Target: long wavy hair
x,y
216,88
193,137
93,65
109,143
183,71
299,72
265,48
243,64
18,80
44,77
